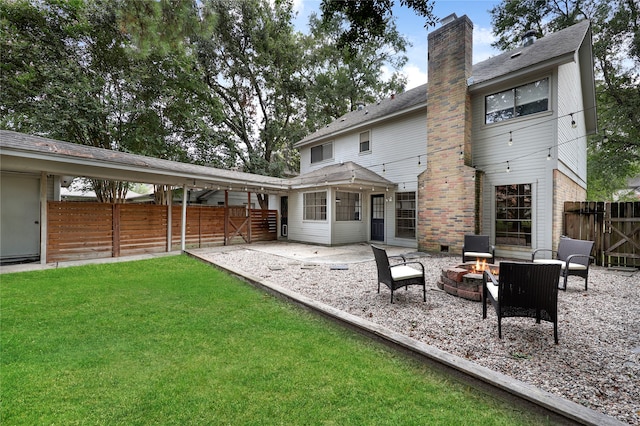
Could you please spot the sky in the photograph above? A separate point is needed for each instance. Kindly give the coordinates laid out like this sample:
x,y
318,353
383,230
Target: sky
x,y
412,27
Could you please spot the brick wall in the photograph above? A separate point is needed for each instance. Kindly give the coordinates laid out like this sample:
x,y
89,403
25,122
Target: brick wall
x,y
446,189
564,189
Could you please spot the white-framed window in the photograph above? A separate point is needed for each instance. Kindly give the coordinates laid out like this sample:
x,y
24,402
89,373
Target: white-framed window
x,y
514,208
517,102
365,143
405,214
322,152
315,205
348,206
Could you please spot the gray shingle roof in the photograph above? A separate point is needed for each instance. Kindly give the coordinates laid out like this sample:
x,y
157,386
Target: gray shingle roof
x,y
553,47
549,48
65,156
405,101
347,172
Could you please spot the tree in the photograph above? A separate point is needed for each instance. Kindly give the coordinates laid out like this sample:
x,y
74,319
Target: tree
x,y
339,78
227,83
253,64
71,71
368,19
616,32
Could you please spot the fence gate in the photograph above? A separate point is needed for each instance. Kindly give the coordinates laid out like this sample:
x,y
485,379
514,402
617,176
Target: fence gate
x,y
614,227
237,224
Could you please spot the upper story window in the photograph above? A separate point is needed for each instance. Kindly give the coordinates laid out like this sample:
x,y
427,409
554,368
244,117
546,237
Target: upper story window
x,y
322,152
365,144
315,205
517,102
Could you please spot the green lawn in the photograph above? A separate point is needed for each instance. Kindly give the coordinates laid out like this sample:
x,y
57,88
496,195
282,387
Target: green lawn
x,y
174,341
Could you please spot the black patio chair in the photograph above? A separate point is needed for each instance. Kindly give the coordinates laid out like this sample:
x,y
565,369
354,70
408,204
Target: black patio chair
x,y
399,274
573,256
478,247
523,290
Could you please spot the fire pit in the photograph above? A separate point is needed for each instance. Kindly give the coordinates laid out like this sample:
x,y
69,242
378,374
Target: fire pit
x,y
465,280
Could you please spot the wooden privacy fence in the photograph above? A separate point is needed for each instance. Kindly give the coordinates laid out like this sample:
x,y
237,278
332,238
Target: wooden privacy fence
x,y
78,231
615,228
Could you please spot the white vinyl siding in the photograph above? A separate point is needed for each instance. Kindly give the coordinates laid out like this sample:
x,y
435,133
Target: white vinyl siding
x,y
396,144
572,142
532,136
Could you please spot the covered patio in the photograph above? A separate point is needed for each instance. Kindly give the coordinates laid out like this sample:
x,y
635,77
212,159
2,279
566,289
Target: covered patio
x,y
37,211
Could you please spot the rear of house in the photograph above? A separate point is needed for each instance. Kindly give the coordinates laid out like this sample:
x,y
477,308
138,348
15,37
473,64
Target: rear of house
x,y
501,147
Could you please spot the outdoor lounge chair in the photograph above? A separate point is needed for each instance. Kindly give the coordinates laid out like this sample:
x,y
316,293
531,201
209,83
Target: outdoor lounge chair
x,y
399,274
573,256
523,290
478,247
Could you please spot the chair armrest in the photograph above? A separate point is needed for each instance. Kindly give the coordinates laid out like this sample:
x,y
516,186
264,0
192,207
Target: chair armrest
x,y
571,256
533,255
409,263
490,276
399,256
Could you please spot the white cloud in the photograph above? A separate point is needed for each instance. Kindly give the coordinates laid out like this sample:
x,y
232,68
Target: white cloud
x,y
482,39
415,75
298,6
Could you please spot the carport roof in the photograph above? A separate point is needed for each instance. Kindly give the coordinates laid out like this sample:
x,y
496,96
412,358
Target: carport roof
x,y
27,153
20,152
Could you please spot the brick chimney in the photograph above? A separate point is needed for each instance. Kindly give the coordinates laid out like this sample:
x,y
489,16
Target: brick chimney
x,y
446,189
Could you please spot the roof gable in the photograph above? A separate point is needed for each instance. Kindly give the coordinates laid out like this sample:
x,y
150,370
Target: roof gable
x,y
342,173
557,47
386,108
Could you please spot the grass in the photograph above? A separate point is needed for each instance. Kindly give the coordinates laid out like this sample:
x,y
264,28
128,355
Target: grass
x,y
174,341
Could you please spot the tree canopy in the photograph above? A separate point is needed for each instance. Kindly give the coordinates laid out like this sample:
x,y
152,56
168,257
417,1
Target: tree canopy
x,y
228,83
368,19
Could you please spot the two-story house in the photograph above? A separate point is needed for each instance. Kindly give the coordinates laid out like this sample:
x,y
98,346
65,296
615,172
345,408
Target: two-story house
x,y
493,148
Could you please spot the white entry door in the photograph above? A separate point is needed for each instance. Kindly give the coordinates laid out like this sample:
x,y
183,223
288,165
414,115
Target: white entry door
x,y
20,217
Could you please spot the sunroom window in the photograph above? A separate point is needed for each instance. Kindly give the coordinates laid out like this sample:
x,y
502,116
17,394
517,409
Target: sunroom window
x,y
348,206
315,205
513,215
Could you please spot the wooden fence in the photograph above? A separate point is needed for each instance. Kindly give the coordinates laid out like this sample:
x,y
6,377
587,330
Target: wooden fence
x,y
615,228
78,231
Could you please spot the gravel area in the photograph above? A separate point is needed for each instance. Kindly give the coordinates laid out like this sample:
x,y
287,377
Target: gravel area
x,y
597,360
